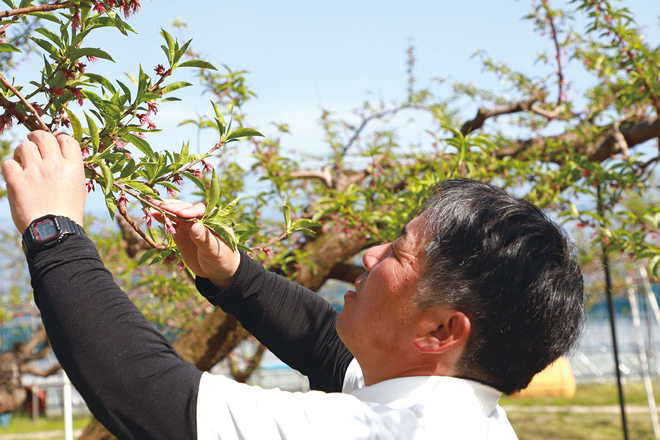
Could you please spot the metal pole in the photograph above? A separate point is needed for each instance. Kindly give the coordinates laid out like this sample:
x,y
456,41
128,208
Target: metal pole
x,y
68,407
610,306
652,306
637,325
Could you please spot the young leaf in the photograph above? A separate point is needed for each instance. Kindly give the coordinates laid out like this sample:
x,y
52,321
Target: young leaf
x,y
5,47
141,144
90,52
150,253
76,126
111,203
243,132
174,86
93,132
198,63
221,231
109,179
214,194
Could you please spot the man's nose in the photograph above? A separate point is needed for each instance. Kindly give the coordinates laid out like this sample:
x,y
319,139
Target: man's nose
x,y
375,255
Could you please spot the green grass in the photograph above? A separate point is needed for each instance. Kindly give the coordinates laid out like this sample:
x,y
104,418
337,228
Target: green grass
x,y
567,425
590,395
22,422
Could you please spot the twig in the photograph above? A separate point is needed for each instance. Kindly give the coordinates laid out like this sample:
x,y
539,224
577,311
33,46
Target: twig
x,y
270,242
555,38
5,83
39,8
145,237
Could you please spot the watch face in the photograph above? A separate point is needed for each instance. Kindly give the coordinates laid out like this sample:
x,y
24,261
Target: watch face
x,y
45,230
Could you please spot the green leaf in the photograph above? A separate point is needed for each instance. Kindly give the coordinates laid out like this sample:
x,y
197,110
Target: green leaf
x,y
196,181
50,35
174,86
109,179
44,16
132,78
243,132
5,47
93,132
221,231
184,151
141,144
128,170
76,126
214,194
198,63
142,187
45,45
90,52
150,253
111,203
101,80
170,46
224,212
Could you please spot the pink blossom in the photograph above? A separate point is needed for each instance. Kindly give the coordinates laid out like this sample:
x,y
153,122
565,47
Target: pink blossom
x,y
169,227
171,192
269,251
148,216
80,67
181,267
207,166
153,107
119,144
160,69
196,173
92,59
129,155
86,151
141,135
98,7
89,186
122,200
75,20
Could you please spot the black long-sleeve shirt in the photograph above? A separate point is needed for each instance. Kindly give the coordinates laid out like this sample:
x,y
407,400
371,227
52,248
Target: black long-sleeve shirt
x,y
132,379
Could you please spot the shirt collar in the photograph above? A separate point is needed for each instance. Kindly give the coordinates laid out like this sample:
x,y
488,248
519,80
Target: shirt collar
x,y
432,390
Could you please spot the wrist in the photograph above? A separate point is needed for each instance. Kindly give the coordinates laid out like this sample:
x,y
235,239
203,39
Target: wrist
x,y
46,232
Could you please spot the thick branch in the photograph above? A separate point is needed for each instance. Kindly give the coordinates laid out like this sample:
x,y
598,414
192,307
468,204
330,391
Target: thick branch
x,y
29,368
346,271
28,120
485,113
324,175
18,94
596,150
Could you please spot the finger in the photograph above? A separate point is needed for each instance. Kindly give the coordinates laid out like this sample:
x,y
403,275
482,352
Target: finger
x,y
184,209
10,169
47,144
26,153
69,147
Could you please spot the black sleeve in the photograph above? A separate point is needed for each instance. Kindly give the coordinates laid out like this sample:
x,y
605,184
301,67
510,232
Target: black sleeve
x,y
132,379
296,324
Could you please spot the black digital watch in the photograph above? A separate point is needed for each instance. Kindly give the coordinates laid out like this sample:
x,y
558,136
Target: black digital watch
x,y
47,231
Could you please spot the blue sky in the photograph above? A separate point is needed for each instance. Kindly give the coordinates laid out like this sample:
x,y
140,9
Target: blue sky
x,y
303,54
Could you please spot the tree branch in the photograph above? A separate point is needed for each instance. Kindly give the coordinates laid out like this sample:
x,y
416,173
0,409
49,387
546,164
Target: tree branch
x,y
18,94
485,113
39,8
346,271
28,368
324,175
597,150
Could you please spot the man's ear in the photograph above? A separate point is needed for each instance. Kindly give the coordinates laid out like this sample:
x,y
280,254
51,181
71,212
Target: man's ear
x,y
441,329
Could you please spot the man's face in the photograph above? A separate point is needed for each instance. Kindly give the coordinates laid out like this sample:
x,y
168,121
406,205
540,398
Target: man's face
x,y
377,318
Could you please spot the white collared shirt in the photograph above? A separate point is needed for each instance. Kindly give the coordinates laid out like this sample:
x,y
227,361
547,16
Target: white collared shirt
x,y
420,407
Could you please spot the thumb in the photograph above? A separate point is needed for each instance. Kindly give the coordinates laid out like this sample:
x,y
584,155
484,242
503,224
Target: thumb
x,y
199,234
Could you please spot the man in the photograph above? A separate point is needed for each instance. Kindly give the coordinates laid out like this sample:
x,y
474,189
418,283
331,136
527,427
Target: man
x,y
479,293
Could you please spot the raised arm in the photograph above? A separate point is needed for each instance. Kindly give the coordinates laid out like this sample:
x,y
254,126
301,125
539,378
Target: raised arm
x,y
293,322
131,378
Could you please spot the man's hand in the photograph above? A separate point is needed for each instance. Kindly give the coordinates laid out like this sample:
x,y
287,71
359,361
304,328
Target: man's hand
x,y
203,251
46,176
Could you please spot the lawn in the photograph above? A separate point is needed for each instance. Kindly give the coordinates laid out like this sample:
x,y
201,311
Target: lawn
x,y
567,424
